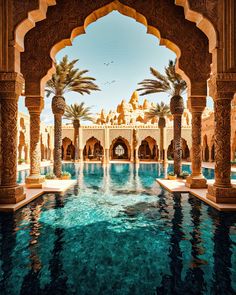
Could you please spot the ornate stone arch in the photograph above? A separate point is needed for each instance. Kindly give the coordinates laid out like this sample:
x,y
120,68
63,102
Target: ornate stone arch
x,y
55,32
87,136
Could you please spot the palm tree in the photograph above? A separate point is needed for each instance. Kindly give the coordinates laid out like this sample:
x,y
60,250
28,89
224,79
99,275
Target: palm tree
x,y
76,113
174,85
67,78
160,110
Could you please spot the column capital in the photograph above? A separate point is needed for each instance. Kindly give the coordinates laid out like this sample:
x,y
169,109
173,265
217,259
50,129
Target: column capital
x,y
11,85
196,103
34,103
222,86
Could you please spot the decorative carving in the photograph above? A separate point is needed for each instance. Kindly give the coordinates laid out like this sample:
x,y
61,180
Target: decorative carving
x,y
35,144
9,110
222,142
11,85
196,143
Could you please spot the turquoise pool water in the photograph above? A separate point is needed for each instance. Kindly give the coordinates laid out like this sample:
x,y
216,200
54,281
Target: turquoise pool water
x,y
207,172
117,232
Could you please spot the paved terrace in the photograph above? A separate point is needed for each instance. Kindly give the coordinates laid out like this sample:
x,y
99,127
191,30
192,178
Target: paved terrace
x,y
49,186
178,185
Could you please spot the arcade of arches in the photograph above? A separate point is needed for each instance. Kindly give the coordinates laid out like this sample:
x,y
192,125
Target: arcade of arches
x,y
201,33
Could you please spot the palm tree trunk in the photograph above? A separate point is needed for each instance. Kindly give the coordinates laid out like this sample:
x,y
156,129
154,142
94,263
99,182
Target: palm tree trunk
x,y
76,135
161,143
177,144
58,109
57,145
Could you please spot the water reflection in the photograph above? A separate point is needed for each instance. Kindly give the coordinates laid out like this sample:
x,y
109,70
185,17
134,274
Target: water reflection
x,y
140,240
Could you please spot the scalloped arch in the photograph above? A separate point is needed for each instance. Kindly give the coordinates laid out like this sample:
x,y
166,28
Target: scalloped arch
x,y
101,12
27,24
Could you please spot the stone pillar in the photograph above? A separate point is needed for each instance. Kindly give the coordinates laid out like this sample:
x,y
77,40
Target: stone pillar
x,y
81,156
196,179
135,146
10,89
106,157
222,88
222,191
35,106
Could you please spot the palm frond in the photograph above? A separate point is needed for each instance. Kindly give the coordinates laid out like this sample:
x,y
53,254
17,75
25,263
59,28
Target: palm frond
x,y
170,83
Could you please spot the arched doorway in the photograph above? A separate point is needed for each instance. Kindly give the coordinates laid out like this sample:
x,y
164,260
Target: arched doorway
x,y
185,150
68,149
148,150
93,150
120,149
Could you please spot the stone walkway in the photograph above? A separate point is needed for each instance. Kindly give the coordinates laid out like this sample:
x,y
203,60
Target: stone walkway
x,y
179,186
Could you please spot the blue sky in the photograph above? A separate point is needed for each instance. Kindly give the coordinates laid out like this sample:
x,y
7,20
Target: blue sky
x,y
129,50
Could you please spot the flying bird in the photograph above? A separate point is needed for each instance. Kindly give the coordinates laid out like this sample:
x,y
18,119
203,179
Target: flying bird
x,y
109,82
108,63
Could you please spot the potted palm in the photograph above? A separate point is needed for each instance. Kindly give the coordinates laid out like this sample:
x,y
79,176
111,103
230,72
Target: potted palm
x,y
67,78
172,176
50,175
160,110
65,175
75,113
21,161
172,84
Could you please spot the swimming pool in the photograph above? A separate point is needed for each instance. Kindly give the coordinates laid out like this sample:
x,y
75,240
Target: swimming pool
x,y
207,172
117,232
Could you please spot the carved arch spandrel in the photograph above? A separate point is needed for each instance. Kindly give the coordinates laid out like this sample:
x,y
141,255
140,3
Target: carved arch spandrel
x,y
56,32
26,14
205,17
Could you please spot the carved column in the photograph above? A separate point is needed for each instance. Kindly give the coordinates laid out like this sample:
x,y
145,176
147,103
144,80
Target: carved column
x,y
196,179
10,89
35,106
222,191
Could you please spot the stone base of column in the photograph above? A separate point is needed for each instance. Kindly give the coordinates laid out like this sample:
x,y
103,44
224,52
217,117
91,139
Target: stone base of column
x,y
196,182
34,181
11,195
222,194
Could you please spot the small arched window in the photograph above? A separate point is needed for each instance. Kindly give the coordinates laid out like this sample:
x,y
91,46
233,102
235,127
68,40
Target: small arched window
x,y
119,150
